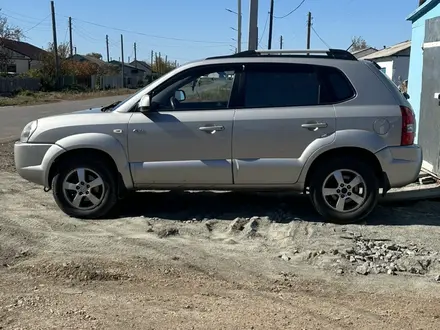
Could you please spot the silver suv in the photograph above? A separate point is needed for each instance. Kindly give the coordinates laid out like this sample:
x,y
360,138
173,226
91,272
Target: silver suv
x,y
318,122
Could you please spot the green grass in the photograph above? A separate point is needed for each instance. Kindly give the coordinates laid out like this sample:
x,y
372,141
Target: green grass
x,y
32,98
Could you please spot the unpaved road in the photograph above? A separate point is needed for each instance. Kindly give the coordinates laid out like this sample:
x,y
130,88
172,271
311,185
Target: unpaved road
x,y
213,261
13,119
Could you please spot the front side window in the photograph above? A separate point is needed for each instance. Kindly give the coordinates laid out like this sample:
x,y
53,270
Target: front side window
x,y
208,89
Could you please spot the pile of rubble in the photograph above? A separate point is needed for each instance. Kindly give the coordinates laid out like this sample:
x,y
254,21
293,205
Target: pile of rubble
x,y
376,257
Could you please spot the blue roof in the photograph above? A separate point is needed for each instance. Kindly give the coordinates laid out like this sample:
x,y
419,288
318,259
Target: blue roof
x,y
422,10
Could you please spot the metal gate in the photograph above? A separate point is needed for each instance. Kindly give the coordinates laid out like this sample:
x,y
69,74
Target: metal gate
x,y
429,122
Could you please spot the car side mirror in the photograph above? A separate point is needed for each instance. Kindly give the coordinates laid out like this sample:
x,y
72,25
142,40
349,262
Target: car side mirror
x,y
145,104
180,95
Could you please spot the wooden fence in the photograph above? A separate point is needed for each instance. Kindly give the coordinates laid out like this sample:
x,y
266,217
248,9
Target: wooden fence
x,y
11,85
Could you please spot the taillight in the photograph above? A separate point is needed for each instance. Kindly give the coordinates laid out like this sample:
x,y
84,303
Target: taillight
x,y
408,126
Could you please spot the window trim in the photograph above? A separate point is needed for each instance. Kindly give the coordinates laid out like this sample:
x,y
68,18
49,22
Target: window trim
x,y
290,67
233,98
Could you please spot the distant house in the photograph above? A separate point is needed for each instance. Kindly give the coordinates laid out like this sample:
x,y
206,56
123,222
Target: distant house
x,y
88,58
133,76
393,60
144,66
364,52
23,56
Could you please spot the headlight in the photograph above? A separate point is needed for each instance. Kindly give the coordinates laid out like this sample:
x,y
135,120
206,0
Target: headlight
x,y
28,130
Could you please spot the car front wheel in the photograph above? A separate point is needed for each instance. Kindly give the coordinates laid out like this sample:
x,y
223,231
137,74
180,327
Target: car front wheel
x,y
344,190
85,189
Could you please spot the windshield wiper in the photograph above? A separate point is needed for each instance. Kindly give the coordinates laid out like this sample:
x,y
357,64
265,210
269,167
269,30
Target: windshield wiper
x,y
110,106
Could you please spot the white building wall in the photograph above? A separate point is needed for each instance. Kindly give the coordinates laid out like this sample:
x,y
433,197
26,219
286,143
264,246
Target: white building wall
x,y
387,65
396,67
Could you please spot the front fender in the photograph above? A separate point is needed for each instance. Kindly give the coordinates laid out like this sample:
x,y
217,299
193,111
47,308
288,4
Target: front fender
x,y
347,138
102,142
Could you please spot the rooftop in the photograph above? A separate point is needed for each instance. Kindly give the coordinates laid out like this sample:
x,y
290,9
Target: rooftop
x,y
390,51
24,48
422,10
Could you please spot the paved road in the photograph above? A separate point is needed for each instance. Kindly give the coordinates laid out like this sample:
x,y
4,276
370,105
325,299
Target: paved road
x,y
13,119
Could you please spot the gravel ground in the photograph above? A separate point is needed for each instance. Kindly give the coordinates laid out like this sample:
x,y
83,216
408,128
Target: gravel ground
x,y
213,261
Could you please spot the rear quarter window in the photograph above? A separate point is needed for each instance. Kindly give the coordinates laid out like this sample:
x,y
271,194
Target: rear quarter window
x,y
339,88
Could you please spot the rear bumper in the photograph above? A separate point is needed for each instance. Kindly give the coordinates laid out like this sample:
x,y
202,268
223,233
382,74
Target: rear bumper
x,y
32,161
401,164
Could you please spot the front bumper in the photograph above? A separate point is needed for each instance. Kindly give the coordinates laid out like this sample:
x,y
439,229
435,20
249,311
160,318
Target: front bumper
x,y
402,164
33,160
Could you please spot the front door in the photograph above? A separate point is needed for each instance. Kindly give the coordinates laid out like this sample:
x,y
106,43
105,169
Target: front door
x,y
429,122
281,117
187,140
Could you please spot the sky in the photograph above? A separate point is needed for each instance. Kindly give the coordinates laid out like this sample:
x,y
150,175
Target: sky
x,y
193,29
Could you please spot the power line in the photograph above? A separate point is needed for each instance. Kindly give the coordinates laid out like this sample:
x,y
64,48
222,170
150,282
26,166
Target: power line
x,y
37,24
291,12
314,31
151,35
25,20
85,32
264,29
65,35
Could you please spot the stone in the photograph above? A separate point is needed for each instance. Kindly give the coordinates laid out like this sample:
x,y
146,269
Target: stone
x,y
339,271
363,269
391,272
285,257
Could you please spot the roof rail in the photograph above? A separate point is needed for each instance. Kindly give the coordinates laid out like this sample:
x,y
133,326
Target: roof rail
x,y
340,54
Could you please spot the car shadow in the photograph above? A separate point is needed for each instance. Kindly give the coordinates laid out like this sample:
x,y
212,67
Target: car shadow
x,y
278,207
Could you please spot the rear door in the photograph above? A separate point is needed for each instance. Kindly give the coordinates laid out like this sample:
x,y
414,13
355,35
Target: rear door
x,y
284,112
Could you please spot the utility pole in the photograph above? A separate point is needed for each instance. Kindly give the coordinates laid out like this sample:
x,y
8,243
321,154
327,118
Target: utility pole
x,y
55,45
309,28
135,56
70,36
151,60
106,44
122,60
253,25
239,26
281,42
269,43
160,63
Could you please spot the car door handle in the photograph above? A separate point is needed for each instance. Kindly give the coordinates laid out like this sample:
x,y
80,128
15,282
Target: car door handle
x,y
314,126
212,129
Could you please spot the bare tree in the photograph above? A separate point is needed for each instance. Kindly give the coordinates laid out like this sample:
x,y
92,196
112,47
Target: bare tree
x,y
7,32
358,43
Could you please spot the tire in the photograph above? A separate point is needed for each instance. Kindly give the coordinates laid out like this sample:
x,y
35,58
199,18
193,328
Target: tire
x,y
354,211
94,202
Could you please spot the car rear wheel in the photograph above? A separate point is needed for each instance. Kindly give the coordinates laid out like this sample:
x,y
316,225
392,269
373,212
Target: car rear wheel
x,y
85,189
344,190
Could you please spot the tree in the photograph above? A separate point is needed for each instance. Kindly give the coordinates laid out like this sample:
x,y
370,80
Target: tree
x,y
161,65
97,55
7,32
358,43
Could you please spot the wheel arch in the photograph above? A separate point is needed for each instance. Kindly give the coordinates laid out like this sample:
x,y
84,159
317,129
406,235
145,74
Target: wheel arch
x,y
94,145
355,152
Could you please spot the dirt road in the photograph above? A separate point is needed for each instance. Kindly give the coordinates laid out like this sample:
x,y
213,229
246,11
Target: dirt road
x,y
213,261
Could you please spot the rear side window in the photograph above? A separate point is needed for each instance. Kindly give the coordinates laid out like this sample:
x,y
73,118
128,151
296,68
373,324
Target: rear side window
x,y
283,85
